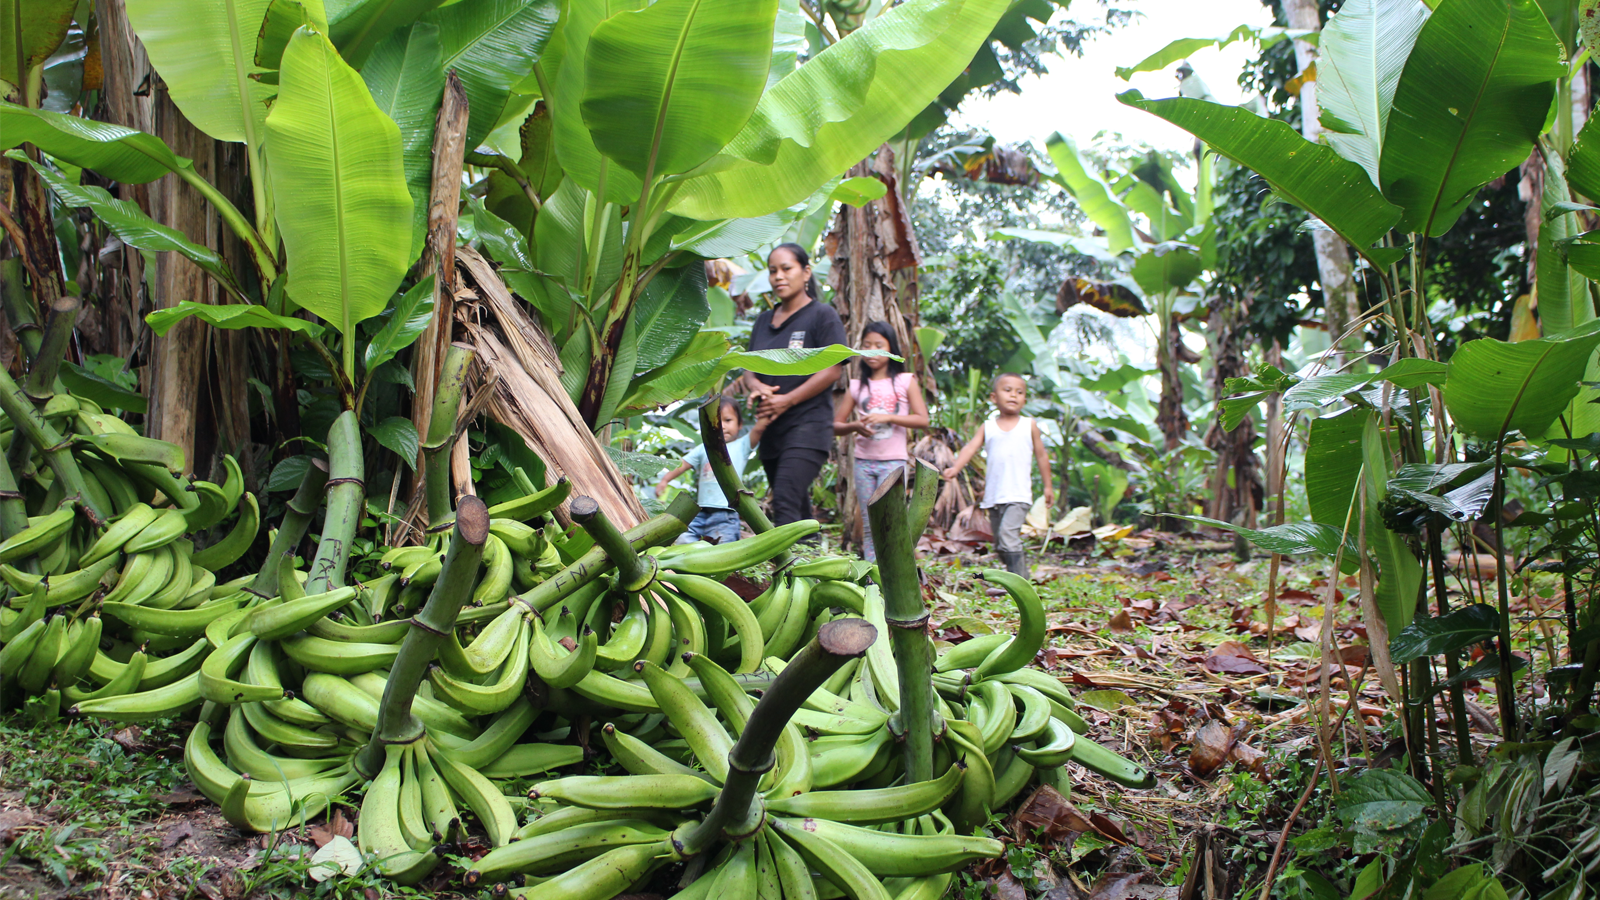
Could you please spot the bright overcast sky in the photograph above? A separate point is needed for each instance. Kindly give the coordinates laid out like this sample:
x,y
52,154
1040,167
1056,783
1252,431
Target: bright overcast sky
x,y
1078,95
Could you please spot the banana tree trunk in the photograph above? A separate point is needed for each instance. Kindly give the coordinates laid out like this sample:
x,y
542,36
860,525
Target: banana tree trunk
x,y
1334,270
1236,489
875,259
1170,352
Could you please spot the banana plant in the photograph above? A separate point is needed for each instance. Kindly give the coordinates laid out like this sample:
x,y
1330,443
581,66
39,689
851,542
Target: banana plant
x,y
662,138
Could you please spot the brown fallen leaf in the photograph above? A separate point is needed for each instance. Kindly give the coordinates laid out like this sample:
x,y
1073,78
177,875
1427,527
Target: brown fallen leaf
x,y
1212,744
179,833
1249,758
1048,817
1114,886
1121,623
1006,887
1107,828
129,738
1233,658
181,798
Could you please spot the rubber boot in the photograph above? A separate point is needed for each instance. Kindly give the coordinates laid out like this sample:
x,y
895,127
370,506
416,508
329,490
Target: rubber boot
x,y
1015,564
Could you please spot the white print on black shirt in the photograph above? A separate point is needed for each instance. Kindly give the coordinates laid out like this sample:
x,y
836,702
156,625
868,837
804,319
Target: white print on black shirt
x,y
797,340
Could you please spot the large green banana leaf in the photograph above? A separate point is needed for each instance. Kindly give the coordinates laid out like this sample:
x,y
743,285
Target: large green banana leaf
x,y
668,315
121,154
840,106
43,26
205,52
1564,302
1583,162
1312,176
1494,387
1472,100
1333,467
341,194
360,27
227,315
1091,193
1183,48
406,77
1399,574
1359,59
129,223
574,145
492,45
669,85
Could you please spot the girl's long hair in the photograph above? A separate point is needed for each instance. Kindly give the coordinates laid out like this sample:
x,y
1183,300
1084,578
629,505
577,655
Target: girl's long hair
x,y
803,258
895,366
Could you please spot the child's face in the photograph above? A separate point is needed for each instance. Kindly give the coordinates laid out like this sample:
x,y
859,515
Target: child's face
x,y
875,341
730,423
1009,395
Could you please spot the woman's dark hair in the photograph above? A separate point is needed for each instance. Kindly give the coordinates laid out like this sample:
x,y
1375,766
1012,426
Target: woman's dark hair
x,y
803,258
730,403
895,365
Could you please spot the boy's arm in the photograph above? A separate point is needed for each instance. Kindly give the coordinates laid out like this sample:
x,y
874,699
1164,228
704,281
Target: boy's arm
x,y
1042,456
965,456
756,431
661,486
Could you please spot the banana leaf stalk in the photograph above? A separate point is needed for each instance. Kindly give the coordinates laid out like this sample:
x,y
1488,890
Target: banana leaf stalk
x,y
907,617
652,532
737,812
296,519
18,303
31,423
41,377
441,428
14,513
634,572
732,486
347,497
431,625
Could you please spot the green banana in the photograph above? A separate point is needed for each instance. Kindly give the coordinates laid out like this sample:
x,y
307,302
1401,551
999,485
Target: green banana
x,y
166,528
180,623
78,651
793,876
480,795
35,673
124,681
379,831
262,669
39,536
638,757
1035,713
498,737
495,585
272,623
217,683
871,807
724,602
32,611
479,700
832,861
142,575
999,715
721,559
1055,748
532,506
244,754
338,657
133,448
284,733
886,854
557,669
443,721
1096,758
437,804
627,791
605,876
560,850
831,568
523,760
626,641
1020,651
212,507
233,545
705,735
122,530
970,653
143,706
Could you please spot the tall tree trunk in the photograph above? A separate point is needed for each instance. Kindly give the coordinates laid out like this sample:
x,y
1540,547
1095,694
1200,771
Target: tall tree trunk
x,y
1334,270
875,259
1236,488
1170,354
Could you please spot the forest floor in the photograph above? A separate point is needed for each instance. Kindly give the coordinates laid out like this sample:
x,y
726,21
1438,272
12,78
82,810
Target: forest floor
x,y
1163,637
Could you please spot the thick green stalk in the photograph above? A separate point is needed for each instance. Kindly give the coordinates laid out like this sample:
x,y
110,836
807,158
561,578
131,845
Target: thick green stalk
x,y
650,533
634,572
1505,680
13,511
29,422
296,519
18,303
907,617
259,254
347,497
441,428
924,492
737,812
732,486
53,348
1460,724
431,625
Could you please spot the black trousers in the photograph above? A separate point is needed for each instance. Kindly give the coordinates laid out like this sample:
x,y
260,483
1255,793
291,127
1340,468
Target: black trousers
x,y
789,478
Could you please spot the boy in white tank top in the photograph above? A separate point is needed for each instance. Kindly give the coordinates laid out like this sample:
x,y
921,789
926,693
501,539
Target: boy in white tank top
x,y
1007,441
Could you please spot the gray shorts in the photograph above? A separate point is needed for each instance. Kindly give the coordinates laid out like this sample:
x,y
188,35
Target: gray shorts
x,y
1005,520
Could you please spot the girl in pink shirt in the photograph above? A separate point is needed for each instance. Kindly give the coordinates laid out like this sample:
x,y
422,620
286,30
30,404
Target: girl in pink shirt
x,y
889,401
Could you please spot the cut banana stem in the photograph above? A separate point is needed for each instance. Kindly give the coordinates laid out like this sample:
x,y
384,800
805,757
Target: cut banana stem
x,y
634,572
728,478
296,519
347,497
653,532
907,618
431,624
442,431
751,757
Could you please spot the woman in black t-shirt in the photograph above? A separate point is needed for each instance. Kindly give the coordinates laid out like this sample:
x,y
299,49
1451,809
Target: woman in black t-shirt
x,y
798,409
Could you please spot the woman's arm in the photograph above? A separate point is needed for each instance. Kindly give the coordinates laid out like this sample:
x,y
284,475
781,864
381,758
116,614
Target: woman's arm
x,y
965,456
775,405
661,486
1042,456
